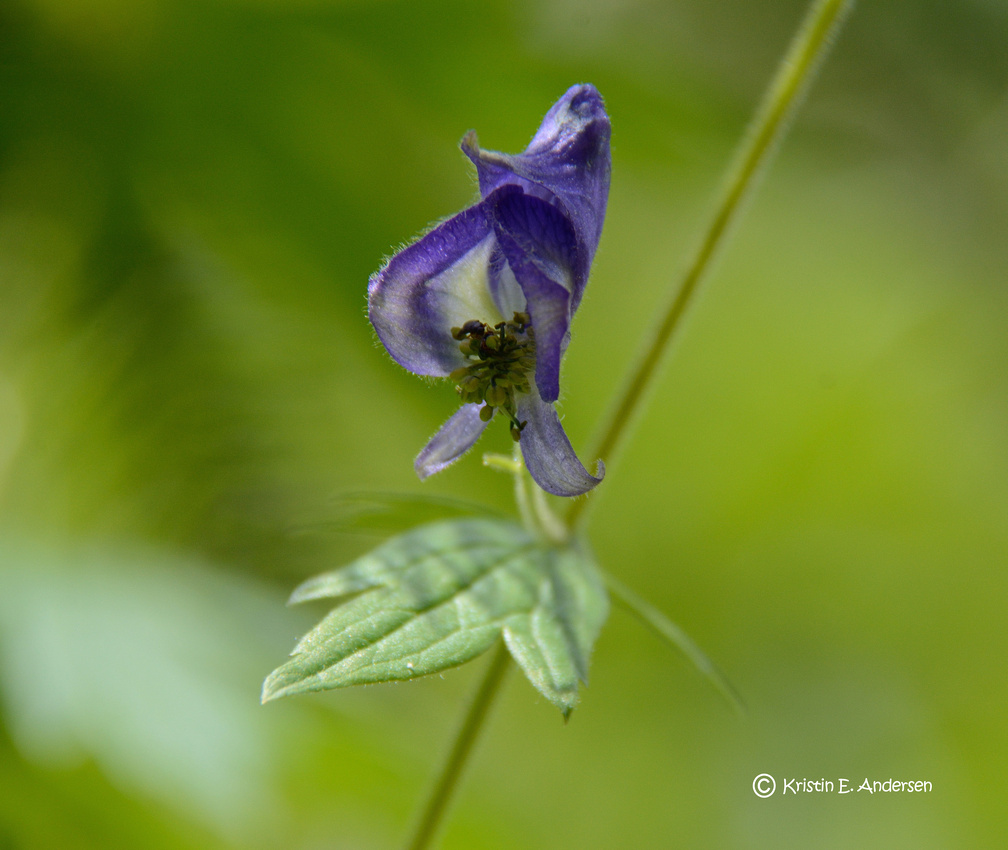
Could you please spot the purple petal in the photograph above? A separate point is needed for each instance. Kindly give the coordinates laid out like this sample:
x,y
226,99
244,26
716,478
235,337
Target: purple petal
x,y
567,164
538,242
548,454
456,437
540,228
438,282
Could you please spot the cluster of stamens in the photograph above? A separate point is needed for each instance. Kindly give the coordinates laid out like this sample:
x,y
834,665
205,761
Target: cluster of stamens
x,y
499,361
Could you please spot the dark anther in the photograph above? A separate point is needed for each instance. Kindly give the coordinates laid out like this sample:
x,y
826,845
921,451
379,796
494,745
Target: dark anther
x,y
498,361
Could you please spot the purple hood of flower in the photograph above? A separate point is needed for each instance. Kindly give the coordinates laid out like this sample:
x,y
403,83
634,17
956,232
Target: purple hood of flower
x,y
526,246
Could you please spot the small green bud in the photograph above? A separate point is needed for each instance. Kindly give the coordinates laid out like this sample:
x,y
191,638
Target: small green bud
x,y
486,413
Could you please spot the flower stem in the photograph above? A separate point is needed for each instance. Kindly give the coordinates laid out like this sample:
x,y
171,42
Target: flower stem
x,y
795,72
441,795
535,512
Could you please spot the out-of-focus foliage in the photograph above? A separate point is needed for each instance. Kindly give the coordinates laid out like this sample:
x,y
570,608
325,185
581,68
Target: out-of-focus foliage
x,y
192,196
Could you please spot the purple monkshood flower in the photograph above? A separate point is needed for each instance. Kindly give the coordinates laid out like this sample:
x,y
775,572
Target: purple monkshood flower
x,y
487,297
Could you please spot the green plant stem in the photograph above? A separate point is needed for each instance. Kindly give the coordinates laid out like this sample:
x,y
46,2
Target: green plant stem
x,y
535,512
441,794
795,72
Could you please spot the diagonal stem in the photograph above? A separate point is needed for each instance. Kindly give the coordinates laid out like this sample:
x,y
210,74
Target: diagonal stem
x,y
795,72
441,795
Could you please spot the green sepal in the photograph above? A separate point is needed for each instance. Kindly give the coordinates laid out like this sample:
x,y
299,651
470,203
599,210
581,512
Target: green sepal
x,y
440,595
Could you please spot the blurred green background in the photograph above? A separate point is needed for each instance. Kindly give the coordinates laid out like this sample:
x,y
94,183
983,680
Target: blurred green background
x,y
192,197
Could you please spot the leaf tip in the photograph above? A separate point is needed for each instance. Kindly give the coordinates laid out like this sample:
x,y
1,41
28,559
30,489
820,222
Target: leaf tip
x,y
302,593
272,689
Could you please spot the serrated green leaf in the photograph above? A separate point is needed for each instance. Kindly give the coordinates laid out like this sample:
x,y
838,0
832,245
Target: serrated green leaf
x,y
441,594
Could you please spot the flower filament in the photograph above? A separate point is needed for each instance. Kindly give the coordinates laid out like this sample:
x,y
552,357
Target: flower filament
x,y
499,362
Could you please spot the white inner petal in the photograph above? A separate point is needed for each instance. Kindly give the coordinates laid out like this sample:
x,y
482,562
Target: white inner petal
x,y
509,293
462,291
